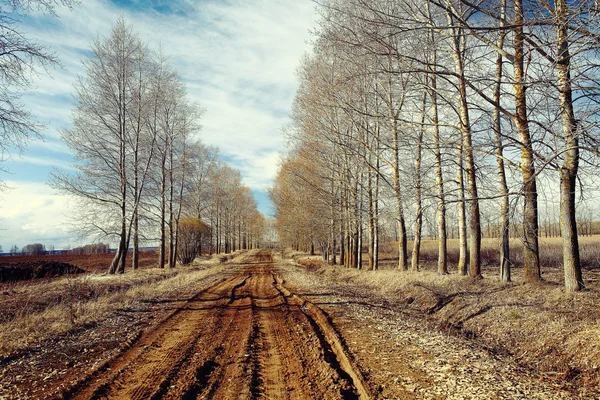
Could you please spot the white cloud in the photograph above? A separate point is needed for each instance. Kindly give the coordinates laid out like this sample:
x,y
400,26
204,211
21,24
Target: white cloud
x,y
50,145
43,161
31,212
237,58
261,168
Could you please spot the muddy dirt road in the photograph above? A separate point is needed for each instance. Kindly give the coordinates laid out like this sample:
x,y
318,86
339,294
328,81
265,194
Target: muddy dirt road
x,y
252,328
245,337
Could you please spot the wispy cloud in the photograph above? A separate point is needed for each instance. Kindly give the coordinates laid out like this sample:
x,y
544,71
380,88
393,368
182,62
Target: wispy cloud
x,y
44,161
237,59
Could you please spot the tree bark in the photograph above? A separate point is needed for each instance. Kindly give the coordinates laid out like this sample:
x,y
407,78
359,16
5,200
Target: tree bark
x,y
505,262
371,220
463,256
172,221
163,213
569,169
442,265
418,190
376,207
466,133
531,258
402,237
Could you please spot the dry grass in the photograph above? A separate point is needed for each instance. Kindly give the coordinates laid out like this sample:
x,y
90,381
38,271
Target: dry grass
x,y
542,326
34,311
551,260
550,251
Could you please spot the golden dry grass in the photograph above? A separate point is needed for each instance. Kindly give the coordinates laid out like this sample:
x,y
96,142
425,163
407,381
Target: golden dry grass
x,y
544,327
550,258
34,311
550,250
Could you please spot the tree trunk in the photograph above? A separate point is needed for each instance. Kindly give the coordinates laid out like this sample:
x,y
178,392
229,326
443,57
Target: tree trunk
x,y
463,256
474,220
419,217
342,233
163,234
332,227
137,195
531,259
136,242
568,172
466,155
442,265
171,210
371,219
505,262
116,260
376,209
402,239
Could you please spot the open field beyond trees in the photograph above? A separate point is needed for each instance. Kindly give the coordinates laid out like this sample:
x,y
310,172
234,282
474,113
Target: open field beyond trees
x,y
551,258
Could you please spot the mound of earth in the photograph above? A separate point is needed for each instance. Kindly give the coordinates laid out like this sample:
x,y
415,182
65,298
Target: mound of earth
x,y
23,271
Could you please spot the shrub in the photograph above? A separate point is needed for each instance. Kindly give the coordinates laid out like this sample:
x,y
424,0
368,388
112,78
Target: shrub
x,y
189,239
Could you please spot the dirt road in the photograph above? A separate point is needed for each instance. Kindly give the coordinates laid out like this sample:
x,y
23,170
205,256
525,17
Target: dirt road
x,y
236,329
246,337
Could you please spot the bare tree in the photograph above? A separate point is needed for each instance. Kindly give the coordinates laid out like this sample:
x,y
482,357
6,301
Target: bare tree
x,y
505,262
101,132
20,59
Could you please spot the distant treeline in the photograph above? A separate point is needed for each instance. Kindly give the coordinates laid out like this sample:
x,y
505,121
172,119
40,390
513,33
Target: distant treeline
x,y
38,249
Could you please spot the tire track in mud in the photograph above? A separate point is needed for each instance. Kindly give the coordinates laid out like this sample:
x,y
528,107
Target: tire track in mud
x,y
246,337
159,353
335,351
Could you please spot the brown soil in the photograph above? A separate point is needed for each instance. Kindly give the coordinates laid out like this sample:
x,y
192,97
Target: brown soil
x,y
269,329
245,337
23,271
88,262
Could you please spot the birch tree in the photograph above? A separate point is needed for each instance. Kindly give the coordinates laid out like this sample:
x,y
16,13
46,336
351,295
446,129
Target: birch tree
x,y
101,133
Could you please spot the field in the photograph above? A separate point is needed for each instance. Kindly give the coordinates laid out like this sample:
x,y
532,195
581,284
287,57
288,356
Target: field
x,y
550,258
88,262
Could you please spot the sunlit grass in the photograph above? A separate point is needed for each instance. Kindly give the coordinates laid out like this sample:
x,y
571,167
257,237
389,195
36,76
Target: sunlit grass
x,y
64,304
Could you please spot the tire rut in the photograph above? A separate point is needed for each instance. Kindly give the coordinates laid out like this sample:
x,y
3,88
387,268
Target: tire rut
x,y
339,359
247,337
140,371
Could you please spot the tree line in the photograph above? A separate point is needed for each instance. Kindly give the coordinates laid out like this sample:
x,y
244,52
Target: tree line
x,y
440,110
140,168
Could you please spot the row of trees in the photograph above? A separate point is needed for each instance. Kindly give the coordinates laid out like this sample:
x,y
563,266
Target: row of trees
x,y
140,167
422,107
32,249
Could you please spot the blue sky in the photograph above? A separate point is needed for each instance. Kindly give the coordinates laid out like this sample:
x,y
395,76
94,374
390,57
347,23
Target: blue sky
x,y
237,58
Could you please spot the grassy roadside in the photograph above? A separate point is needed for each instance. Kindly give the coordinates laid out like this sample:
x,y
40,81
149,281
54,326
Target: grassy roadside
x,y
550,252
542,327
33,311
